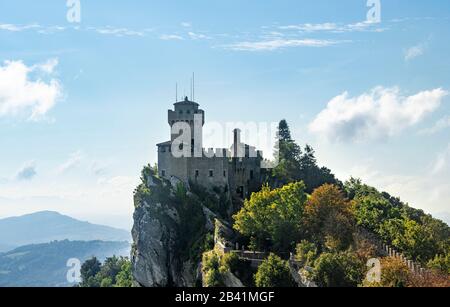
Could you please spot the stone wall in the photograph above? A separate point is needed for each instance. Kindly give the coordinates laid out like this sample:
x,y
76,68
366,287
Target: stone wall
x,y
386,250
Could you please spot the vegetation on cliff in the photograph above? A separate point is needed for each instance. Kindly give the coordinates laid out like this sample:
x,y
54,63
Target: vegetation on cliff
x,y
323,228
304,211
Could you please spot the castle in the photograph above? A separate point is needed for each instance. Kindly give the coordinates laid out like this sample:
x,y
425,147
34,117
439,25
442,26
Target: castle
x,y
237,170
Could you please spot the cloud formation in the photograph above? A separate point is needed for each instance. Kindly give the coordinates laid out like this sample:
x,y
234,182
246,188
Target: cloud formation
x,y
22,92
381,113
363,26
442,163
119,32
170,37
440,125
270,45
73,161
414,52
27,172
18,28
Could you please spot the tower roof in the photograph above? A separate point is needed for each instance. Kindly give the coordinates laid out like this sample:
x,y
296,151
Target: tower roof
x,y
186,101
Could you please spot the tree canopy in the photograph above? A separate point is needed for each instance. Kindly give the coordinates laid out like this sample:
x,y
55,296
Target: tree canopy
x,y
329,220
114,272
274,273
296,164
272,217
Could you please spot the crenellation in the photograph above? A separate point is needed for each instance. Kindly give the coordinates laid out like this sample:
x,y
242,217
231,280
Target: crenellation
x,y
238,169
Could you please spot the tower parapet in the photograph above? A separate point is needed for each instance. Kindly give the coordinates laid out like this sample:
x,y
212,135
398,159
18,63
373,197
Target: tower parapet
x,y
237,169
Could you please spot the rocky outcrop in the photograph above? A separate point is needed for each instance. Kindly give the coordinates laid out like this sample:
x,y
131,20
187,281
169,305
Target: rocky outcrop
x,y
170,228
154,238
231,281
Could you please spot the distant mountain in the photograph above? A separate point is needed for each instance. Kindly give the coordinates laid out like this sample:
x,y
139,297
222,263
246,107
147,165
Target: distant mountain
x,y
45,265
44,227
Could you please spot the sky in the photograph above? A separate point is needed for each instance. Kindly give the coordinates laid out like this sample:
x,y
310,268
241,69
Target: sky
x,y
82,104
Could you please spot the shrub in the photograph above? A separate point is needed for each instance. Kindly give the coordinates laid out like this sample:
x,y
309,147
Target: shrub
x,y
274,273
338,270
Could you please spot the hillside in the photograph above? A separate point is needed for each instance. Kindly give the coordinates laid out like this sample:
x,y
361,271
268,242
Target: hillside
x,y
304,227
45,264
44,227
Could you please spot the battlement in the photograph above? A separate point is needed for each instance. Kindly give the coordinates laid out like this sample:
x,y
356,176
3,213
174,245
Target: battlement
x,y
237,169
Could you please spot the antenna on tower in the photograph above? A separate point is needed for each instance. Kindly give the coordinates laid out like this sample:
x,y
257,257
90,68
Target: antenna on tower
x,y
193,86
192,99
176,92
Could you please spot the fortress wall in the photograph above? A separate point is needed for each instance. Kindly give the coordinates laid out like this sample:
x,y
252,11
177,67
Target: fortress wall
x,y
204,165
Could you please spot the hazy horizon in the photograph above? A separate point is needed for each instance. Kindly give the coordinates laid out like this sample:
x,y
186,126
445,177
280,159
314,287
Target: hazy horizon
x,y
83,105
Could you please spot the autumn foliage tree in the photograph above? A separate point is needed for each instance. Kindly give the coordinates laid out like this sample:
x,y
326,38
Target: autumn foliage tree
x,y
328,218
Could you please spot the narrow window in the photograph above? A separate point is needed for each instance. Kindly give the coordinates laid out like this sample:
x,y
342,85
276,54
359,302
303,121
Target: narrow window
x,y
251,175
163,173
211,173
197,173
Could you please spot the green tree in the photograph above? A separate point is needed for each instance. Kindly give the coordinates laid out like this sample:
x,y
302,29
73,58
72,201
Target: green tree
x,y
342,269
273,215
89,271
212,277
416,242
288,154
411,231
313,175
124,278
274,273
440,264
306,253
114,272
297,165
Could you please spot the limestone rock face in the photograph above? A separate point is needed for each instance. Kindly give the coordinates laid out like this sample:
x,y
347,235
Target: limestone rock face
x,y
154,256
159,227
151,253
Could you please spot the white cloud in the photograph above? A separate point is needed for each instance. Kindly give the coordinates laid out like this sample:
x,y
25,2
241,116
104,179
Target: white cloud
x,y
27,171
196,36
440,125
73,161
18,28
169,37
308,27
364,26
119,32
186,24
383,112
270,45
99,168
47,67
414,52
442,163
21,93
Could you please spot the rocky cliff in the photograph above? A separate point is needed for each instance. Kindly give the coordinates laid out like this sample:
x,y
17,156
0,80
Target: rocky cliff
x,y
173,226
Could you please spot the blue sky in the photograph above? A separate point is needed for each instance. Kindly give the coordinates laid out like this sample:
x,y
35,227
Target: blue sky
x,y
82,105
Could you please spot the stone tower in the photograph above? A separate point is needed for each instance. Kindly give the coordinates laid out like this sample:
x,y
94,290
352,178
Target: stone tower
x,y
235,169
187,112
